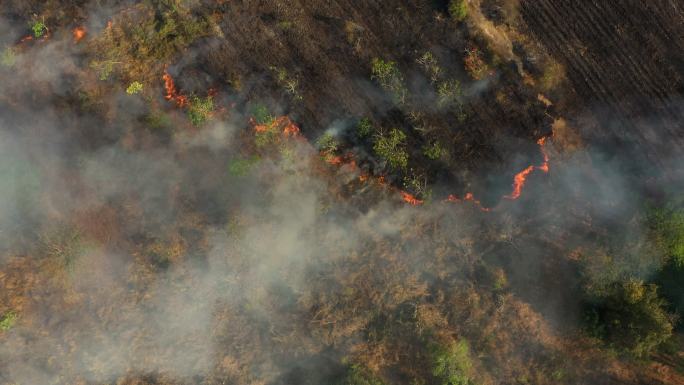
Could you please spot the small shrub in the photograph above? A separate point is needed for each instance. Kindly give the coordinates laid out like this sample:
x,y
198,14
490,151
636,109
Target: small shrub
x,y
667,230
430,66
241,167
359,375
261,115
39,28
134,88
268,136
449,93
327,144
290,84
475,64
364,128
552,75
200,110
458,9
8,320
8,57
157,120
418,185
104,68
451,365
434,151
391,147
63,243
390,78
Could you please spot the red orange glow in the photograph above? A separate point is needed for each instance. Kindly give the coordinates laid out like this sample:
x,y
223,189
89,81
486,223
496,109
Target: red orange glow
x,y
79,34
410,199
171,91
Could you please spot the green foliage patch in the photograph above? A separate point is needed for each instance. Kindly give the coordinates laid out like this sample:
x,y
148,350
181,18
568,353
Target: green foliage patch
x,y
39,28
392,148
458,9
8,57
8,320
360,375
200,110
451,364
241,167
389,77
134,88
631,318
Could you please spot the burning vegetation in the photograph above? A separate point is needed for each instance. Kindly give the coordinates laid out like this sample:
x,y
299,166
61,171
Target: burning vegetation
x,y
208,193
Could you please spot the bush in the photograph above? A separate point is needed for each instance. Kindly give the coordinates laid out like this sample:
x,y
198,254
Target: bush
x,y
200,110
458,9
631,318
666,226
261,115
391,147
359,375
430,66
64,243
449,93
451,364
142,40
327,144
8,57
364,128
8,320
434,151
39,28
667,230
134,88
475,64
390,78
241,167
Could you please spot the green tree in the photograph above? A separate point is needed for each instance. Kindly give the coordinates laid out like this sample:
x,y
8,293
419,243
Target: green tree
x,y
390,78
451,364
458,9
631,318
391,147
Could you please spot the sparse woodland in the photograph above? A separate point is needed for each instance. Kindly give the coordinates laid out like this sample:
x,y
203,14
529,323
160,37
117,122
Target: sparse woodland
x,y
356,193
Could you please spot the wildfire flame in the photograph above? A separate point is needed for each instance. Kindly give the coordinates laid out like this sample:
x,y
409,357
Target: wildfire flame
x,y
468,197
410,199
521,177
289,129
284,123
171,91
79,34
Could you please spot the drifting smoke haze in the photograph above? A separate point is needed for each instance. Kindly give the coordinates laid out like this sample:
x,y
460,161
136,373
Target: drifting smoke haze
x,y
132,254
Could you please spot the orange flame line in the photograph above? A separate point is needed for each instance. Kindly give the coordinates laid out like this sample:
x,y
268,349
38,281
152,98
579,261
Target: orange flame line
x,y
410,199
171,91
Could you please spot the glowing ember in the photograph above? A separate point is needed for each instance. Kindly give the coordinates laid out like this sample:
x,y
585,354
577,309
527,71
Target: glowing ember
x,y
79,34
